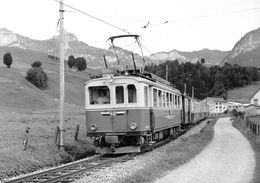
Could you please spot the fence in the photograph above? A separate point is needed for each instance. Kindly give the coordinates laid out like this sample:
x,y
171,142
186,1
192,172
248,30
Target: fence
x,y
253,122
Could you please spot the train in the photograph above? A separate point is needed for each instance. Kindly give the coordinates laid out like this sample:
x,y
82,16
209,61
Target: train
x,y
137,109
130,109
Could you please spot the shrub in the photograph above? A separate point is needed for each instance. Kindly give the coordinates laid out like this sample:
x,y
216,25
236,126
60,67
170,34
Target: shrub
x,y
38,77
8,60
80,63
71,61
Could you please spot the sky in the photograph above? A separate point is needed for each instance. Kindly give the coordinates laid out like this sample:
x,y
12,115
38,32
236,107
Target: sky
x,y
184,25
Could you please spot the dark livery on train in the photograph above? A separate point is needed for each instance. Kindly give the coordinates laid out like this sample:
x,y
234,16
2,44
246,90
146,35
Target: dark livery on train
x,y
129,109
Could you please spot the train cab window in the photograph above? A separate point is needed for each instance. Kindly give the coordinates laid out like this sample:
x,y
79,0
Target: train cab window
x,y
99,95
155,97
119,94
131,93
145,96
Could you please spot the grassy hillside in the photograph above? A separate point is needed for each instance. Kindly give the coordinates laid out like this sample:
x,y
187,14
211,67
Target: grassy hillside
x,y
243,94
18,94
23,105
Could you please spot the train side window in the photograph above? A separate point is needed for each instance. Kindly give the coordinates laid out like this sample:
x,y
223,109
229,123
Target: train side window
x,y
167,100
131,93
119,94
99,95
145,96
179,106
160,98
163,99
155,97
171,102
175,99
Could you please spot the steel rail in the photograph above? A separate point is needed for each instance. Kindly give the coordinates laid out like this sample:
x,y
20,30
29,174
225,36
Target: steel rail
x,y
53,170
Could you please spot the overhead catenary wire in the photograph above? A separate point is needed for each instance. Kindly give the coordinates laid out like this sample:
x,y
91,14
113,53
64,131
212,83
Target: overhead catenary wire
x,y
87,14
157,23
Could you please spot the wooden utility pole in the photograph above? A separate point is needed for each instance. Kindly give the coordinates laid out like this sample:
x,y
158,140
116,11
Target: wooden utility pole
x,y
62,79
192,95
185,89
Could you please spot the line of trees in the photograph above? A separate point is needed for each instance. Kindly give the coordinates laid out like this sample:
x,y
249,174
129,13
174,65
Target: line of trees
x,y
212,81
78,63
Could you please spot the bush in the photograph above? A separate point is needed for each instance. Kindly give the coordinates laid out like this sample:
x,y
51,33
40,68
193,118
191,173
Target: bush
x,y
80,63
38,77
71,61
8,60
36,64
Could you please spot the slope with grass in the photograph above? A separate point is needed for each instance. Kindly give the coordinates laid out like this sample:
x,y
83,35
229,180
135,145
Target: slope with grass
x,y
23,105
255,143
244,93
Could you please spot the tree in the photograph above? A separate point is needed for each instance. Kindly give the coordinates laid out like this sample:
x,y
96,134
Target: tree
x,y
8,60
36,64
71,61
37,76
202,61
80,63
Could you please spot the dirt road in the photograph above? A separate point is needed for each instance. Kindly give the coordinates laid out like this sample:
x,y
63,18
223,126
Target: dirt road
x,y
229,158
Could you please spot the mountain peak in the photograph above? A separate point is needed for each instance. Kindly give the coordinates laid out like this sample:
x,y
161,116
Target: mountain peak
x,y
5,30
68,36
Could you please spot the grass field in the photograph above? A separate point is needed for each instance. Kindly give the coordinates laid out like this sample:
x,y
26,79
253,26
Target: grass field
x,y
42,151
255,143
23,105
242,94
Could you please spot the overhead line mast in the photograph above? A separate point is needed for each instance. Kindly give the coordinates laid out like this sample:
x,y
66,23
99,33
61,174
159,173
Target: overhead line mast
x,y
62,78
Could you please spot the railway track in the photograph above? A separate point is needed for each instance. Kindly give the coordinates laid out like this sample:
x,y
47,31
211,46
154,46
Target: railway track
x,y
75,170
69,172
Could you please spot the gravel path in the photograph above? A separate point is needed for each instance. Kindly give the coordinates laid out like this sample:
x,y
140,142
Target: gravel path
x,y
119,171
229,158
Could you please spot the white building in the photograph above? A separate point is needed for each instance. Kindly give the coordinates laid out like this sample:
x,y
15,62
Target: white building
x,y
255,98
216,105
238,106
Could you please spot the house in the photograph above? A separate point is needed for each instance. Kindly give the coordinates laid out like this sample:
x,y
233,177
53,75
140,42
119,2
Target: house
x,y
255,98
252,109
216,105
238,106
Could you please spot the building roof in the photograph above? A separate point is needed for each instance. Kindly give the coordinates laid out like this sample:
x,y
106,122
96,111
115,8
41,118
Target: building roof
x,y
254,94
256,106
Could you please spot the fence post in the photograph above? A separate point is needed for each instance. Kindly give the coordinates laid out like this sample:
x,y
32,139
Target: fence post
x,y
76,133
25,141
57,136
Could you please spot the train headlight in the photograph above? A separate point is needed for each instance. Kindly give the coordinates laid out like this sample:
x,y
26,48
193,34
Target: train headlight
x,y
133,126
93,127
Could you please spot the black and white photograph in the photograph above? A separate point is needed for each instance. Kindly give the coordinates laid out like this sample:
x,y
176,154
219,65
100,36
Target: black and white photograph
x,y
147,91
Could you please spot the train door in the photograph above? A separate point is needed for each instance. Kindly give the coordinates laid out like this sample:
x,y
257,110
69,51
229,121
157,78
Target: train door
x,y
119,112
183,110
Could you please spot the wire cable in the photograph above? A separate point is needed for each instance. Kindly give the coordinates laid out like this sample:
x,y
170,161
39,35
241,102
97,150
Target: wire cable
x,y
87,14
151,24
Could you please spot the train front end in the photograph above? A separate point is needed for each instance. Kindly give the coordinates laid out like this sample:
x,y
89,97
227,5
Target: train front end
x,y
117,113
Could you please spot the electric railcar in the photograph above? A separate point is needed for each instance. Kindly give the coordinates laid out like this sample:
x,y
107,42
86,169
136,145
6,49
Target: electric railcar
x,y
127,110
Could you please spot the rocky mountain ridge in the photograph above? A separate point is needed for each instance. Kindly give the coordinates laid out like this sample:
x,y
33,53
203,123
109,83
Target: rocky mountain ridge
x,y
246,51
212,57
